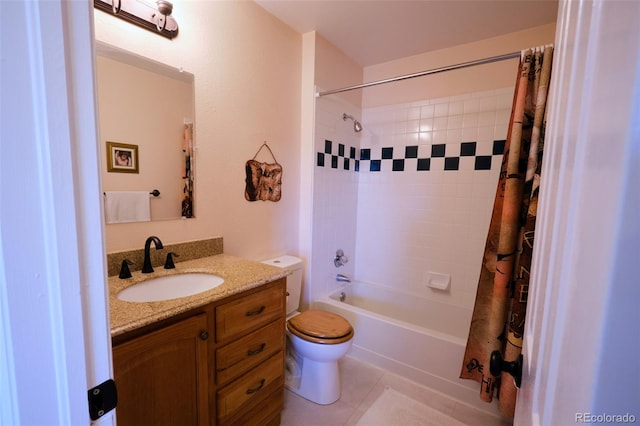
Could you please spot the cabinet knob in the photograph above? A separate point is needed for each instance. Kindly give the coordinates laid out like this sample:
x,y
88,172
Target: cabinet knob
x,y
204,335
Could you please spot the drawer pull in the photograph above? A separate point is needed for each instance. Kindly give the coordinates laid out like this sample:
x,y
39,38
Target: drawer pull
x,y
258,312
256,351
257,388
204,335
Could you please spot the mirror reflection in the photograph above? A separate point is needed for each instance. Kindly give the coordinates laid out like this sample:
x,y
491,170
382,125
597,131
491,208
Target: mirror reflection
x,y
146,112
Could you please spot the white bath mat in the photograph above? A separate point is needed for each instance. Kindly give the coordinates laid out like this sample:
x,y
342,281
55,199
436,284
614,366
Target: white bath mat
x,y
395,409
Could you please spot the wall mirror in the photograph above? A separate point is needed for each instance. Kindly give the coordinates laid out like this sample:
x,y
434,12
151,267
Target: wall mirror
x,y
146,112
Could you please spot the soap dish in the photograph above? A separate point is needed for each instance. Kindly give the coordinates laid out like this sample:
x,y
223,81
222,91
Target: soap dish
x,y
438,281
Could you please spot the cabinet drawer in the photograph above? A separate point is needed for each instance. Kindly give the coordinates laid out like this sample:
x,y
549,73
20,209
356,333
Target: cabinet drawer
x,y
245,353
265,413
248,313
253,386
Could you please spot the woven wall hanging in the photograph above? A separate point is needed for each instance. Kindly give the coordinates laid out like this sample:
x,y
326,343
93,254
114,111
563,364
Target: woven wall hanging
x,y
263,180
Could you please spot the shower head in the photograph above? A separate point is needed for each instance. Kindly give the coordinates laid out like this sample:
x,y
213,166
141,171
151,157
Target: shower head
x,y
357,127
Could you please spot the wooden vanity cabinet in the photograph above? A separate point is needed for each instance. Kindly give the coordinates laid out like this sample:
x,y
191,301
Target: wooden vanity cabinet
x,y
220,364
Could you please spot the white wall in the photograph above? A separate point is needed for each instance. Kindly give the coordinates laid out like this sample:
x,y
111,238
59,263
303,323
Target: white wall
x,y
247,68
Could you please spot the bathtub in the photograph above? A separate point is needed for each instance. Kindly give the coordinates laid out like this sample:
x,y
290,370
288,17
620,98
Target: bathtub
x,y
414,337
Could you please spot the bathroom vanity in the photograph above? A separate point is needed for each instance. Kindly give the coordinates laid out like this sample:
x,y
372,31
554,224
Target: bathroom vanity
x,y
212,358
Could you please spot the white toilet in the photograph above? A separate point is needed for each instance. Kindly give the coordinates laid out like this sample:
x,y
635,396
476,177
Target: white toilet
x,y
316,340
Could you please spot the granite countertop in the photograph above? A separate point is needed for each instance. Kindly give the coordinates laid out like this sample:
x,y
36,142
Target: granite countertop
x,y
239,275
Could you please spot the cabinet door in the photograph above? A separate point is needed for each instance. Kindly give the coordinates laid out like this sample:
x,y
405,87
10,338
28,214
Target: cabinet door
x,y
162,377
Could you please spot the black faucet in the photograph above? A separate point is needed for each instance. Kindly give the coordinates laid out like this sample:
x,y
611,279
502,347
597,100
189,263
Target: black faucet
x,y
146,267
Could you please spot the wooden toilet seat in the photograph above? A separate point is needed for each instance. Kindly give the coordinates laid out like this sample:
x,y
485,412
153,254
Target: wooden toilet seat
x,y
321,327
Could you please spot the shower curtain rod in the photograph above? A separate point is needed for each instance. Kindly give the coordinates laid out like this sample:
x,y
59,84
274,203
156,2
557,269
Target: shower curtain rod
x,y
422,73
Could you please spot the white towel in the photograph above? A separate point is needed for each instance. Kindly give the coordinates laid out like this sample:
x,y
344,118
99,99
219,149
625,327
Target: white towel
x,y
127,206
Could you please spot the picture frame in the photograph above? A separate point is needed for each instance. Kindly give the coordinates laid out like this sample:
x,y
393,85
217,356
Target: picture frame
x,y
122,157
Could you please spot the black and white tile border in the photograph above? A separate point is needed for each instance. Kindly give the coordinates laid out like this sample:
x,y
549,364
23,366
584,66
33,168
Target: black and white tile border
x,y
337,157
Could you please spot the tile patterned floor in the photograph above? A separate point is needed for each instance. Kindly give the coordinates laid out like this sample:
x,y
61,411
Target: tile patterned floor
x,y
361,387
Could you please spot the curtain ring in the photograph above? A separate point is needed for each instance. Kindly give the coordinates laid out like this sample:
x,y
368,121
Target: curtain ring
x,y
115,9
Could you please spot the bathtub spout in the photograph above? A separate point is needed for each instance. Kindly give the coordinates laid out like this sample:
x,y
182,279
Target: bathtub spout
x,y
341,278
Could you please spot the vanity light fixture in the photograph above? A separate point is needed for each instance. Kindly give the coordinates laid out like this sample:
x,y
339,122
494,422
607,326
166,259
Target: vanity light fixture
x,y
153,16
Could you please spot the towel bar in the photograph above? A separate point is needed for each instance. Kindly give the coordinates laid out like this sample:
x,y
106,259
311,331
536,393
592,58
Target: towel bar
x,y
155,193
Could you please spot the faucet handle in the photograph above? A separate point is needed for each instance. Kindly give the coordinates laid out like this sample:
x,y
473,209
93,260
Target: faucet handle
x,y
124,269
340,258
169,262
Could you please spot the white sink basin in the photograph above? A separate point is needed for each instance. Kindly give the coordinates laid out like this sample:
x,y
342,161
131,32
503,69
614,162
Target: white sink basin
x,y
170,287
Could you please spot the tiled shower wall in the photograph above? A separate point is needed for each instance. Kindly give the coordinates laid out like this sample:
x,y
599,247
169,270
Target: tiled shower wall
x,y
335,194
409,195
427,182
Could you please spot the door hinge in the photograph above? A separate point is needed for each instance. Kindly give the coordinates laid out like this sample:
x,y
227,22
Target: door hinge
x,y
102,399
497,365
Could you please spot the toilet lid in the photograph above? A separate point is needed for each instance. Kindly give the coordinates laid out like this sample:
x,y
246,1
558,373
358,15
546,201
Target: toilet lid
x,y
321,327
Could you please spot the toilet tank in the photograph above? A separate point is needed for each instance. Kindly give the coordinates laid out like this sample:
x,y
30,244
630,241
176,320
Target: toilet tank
x,y
294,280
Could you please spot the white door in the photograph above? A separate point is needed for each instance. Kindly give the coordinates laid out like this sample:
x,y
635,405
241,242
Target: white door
x,y
582,341
54,330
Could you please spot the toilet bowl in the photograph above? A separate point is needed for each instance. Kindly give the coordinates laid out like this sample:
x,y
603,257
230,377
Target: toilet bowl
x,y
316,340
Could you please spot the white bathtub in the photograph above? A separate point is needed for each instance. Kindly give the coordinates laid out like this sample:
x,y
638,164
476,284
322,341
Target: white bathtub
x,y
414,337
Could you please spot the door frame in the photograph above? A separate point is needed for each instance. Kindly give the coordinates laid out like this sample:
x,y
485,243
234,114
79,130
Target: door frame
x,y
54,323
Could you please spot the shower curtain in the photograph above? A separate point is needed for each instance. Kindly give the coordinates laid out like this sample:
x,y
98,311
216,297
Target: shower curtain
x,y
501,300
